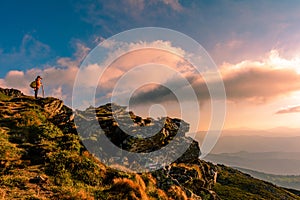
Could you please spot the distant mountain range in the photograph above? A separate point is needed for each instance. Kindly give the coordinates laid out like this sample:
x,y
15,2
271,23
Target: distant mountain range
x,y
273,140
275,151
280,163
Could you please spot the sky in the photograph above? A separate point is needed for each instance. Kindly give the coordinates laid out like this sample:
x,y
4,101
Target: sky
x,y
255,46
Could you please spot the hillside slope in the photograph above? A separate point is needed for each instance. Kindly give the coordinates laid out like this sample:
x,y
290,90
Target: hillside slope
x,y
42,157
287,181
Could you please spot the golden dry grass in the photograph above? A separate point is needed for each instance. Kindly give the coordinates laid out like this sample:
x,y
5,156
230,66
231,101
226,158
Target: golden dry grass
x,y
129,189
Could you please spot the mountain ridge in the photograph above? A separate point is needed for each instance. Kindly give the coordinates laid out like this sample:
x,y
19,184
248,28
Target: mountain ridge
x,y
43,157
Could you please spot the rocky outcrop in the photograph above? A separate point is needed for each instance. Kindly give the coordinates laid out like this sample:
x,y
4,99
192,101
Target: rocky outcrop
x,y
11,92
195,179
38,130
134,134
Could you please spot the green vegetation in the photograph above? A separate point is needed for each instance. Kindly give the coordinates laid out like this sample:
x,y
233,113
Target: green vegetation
x,y
287,181
233,184
4,97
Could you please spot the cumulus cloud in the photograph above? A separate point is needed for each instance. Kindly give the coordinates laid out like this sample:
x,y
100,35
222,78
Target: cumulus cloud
x,y
251,81
18,79
122,60
130,55
290,109
261,84
263,80
59,79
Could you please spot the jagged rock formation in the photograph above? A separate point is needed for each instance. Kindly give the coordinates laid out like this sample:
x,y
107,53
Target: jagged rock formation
x,y
131,133
42,157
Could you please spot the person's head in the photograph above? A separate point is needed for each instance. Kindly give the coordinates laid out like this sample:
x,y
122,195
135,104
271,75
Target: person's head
x,y
38,78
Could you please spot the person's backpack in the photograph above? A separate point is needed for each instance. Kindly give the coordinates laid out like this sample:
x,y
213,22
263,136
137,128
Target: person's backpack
x,y
33,84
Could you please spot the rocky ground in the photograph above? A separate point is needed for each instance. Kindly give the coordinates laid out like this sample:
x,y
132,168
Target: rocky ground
x,y
42,156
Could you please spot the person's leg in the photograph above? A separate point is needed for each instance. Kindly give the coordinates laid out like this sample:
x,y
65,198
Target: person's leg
x,y
36,91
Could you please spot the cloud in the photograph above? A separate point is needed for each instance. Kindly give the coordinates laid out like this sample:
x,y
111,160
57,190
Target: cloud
x,y
260,84
248,81
255,81
19,80
233,34
59,79
291,109
3,83
260,81
58,93
32,47
30,51
174,4
123,58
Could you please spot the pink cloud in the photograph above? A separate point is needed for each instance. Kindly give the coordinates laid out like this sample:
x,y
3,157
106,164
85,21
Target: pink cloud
x,y
291,109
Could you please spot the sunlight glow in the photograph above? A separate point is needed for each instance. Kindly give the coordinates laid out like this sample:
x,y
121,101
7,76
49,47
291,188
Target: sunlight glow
x,y
276,61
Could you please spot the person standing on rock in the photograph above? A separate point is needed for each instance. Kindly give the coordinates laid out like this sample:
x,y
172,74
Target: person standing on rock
x,y
38,84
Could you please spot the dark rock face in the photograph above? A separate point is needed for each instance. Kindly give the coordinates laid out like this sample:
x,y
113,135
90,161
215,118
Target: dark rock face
x,y
192,153
11,92
132,133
